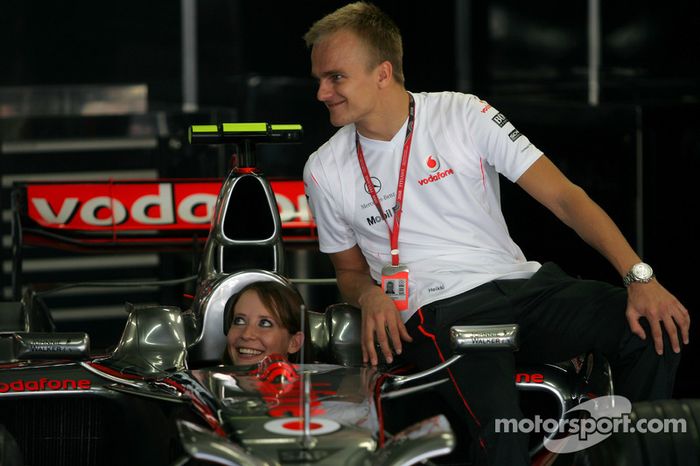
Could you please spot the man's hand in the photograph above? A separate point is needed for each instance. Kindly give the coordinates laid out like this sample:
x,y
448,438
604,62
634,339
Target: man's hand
x,y
653,301
379,314
381,319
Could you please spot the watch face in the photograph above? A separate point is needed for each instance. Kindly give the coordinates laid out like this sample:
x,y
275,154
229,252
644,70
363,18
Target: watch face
x,y
642,271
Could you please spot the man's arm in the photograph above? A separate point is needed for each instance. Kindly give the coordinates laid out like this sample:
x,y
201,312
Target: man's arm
x,y
379,314
544,182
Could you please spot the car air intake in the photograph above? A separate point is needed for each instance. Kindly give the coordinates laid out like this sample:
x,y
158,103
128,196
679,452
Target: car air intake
x,y
83,429
58,431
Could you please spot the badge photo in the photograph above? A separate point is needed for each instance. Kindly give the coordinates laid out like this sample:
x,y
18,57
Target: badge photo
x,y
395,285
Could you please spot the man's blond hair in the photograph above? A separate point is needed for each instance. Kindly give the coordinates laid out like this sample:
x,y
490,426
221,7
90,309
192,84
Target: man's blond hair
x,y
372,26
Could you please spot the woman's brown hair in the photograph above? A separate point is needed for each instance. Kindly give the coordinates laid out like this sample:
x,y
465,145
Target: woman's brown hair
x,y
284,302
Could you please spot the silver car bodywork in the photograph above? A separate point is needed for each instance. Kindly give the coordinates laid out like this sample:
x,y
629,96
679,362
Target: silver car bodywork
x,y
160,398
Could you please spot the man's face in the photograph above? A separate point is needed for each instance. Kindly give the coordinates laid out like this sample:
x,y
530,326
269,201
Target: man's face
x,y
346,86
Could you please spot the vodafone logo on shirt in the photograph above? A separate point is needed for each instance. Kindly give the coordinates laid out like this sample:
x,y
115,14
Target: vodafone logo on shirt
x,y
436,177
432,165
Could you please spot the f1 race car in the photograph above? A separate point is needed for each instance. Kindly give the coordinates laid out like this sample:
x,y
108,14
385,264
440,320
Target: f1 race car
x,y
161,397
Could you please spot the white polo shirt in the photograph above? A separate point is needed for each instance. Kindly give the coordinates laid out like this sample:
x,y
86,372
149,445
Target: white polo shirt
x,y
453,236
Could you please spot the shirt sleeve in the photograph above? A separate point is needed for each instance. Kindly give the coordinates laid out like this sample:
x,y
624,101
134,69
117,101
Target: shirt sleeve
x,y
497,140
334,233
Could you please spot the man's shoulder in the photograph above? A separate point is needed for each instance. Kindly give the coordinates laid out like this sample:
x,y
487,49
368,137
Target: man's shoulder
x,y
445,114
446,98
334,146
333,150
342,138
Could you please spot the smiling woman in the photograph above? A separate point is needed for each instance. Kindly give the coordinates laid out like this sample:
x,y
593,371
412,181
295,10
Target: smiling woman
x,y
262,319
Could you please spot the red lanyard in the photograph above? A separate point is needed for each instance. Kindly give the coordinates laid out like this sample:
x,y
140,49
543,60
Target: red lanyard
x,y
398,206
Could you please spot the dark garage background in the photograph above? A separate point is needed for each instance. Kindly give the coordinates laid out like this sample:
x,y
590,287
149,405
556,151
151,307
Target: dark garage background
x,y
636,151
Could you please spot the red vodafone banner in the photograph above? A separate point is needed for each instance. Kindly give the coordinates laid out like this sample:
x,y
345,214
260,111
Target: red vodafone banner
x,y
161,205
292,204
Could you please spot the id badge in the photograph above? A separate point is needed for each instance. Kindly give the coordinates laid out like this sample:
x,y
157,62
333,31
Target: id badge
x,y
395,284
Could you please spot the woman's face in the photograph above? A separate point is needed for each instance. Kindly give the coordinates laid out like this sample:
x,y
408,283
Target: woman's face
x,y
256,333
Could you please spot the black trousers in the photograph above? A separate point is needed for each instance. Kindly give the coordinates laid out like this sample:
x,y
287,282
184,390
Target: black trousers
x,y
560,317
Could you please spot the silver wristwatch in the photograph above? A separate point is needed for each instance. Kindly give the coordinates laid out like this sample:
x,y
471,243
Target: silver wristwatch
x,y
641,272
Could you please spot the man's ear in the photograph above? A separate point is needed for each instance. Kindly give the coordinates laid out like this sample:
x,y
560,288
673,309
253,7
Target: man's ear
x,y
295,343
385,74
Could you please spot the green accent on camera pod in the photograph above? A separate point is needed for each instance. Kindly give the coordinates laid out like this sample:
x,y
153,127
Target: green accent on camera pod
x,y
244,127
201,129
286,127
204,128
